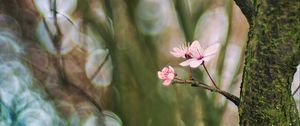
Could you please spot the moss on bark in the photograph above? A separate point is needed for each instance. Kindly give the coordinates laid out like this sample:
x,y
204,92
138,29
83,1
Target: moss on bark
x,y
271,59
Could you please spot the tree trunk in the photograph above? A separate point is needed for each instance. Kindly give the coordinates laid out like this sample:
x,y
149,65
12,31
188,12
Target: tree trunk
x,y
273,52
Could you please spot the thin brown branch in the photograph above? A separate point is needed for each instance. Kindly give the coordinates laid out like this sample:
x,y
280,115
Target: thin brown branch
x,y
247,9
99,67
55,19
193,83
210,76
296,90
191,73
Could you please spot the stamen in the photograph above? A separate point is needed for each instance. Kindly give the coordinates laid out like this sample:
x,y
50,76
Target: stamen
x,y
200,55
187,56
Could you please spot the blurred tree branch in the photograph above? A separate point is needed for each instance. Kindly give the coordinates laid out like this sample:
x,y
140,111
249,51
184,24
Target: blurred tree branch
x,y
247,8
294,92
58,59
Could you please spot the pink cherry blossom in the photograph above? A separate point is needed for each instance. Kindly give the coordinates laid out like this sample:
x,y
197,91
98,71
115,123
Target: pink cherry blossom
x,y
199,55
182,51
167,74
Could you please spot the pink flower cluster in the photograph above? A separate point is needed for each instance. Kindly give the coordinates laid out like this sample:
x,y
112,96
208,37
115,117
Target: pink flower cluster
x,y
194,56
167,74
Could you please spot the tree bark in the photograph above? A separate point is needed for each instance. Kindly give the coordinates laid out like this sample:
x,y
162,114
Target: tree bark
x,y
272,54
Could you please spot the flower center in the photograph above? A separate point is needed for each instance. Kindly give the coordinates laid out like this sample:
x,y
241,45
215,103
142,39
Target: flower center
x,y
187,56
200,57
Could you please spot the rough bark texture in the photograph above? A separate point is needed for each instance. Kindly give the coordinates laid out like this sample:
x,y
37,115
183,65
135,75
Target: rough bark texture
x,y
271,59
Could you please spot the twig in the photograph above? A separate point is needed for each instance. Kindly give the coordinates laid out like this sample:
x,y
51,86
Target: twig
x,y
296,90
55,18
59,59
191,73
210,76
99,67
193,83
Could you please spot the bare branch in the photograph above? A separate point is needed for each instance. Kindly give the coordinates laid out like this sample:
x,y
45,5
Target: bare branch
x,y
296,90
99,67
193,83
209,76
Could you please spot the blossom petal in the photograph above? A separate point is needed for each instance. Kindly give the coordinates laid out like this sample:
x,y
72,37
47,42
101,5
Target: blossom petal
x,y
171,76
196,44
196,49
167,82
165,70
171,69
159,74
196,63
177,52
186,63
207,58
211,50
